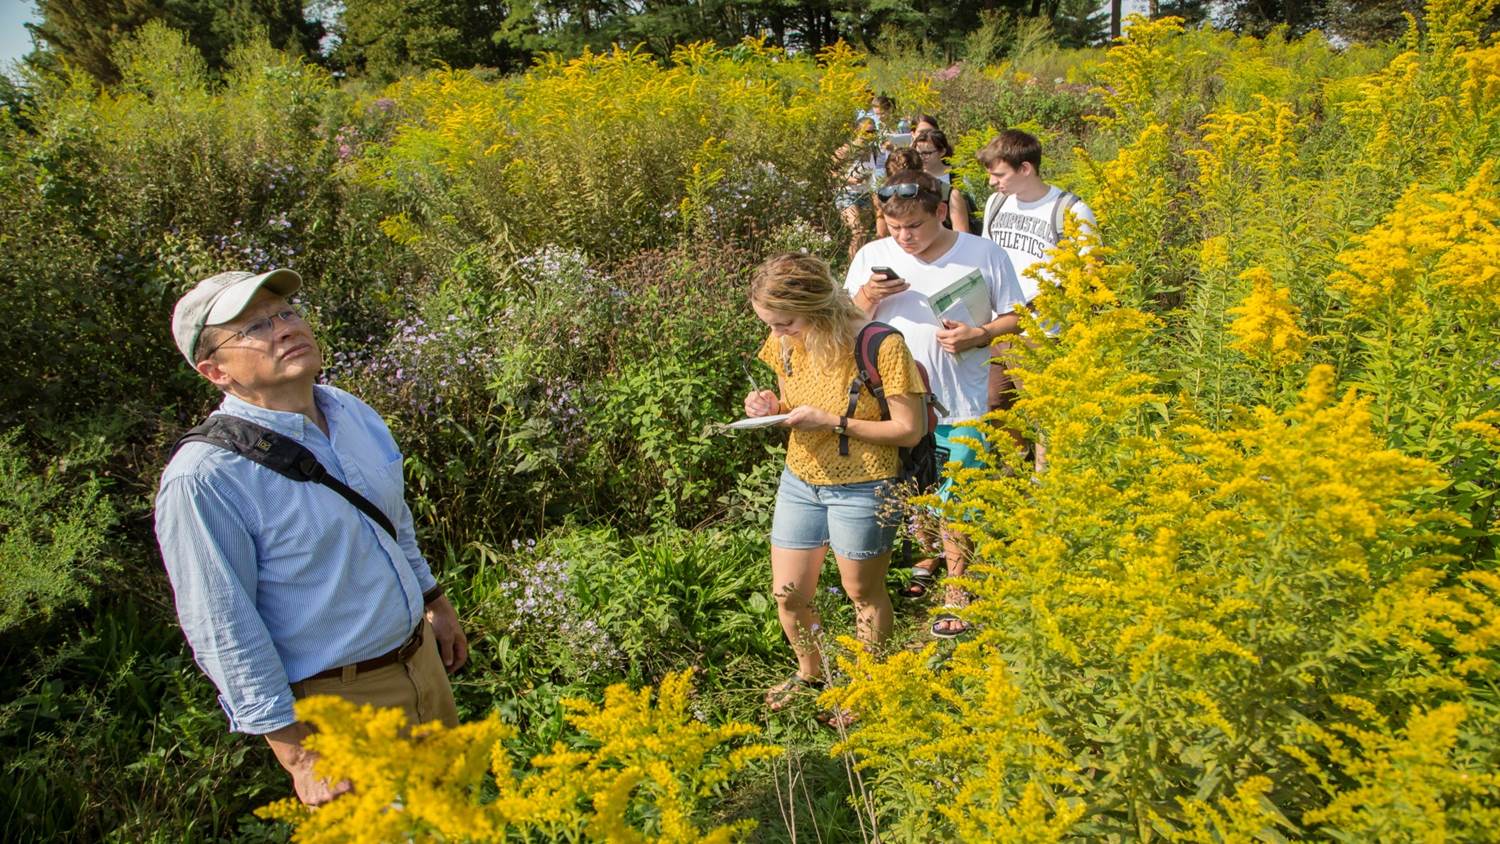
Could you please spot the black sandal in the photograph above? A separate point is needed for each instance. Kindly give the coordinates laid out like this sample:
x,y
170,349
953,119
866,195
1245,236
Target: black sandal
x,y
922,580
946,625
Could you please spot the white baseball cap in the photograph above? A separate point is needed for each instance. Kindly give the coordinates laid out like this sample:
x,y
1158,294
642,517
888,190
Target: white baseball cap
x,y
219,299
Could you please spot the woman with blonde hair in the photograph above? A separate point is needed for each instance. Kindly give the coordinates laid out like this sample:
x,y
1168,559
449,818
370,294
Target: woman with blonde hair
x,y
829,495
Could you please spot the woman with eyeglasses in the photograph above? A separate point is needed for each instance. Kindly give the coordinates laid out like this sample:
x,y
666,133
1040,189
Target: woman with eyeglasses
x,y
836,464
933,148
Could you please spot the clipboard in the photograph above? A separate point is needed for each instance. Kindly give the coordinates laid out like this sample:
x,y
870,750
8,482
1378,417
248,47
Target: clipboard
x,y
968,296
752,422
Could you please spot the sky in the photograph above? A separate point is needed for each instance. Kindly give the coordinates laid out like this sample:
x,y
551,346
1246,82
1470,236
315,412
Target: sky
x,y
15,41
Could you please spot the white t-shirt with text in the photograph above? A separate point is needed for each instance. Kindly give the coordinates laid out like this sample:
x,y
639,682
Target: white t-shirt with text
x,y
960,382
1025,231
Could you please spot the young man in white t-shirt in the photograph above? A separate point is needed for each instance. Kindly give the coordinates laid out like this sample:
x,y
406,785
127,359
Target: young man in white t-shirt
x,y
1025,217
924,258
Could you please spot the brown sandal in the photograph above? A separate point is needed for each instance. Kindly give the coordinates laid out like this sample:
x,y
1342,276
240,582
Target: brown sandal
x,y
780,696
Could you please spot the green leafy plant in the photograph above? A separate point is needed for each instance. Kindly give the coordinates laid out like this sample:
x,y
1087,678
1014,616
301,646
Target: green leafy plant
x,y
53,541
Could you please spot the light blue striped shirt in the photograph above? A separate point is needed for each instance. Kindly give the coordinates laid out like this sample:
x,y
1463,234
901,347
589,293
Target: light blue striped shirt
x,y
277,580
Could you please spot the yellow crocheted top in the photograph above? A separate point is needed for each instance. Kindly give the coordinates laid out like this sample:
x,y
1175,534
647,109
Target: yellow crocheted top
x,y
814,456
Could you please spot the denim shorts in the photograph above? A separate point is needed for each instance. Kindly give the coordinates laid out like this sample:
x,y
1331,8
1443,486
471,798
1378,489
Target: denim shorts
x,y
846,516
958,452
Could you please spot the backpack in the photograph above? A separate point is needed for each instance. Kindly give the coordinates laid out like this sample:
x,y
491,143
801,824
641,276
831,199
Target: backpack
x,y
975,215
281,454
1059,210
923,462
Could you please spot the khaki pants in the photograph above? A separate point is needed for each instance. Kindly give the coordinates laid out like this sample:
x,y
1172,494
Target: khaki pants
x,y
419,687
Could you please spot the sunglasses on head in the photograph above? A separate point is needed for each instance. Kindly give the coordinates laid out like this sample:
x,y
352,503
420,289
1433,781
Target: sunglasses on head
x,y
905,190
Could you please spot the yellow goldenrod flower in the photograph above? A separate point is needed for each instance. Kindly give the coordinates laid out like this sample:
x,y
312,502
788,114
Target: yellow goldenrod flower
x,y
1266,327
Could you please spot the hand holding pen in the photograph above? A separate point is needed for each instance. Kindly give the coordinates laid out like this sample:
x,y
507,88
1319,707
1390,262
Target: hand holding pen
x,y
759,402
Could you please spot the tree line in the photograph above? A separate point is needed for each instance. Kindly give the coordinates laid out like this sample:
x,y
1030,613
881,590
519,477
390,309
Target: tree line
x,y
382,39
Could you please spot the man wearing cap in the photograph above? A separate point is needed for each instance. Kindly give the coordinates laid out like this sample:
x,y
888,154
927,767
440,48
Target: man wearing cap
x,y
285,588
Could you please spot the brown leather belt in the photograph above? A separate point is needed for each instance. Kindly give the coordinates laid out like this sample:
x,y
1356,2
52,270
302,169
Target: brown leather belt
x,y
402,653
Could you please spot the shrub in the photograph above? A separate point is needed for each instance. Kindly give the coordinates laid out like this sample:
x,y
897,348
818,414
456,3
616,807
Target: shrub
x,y
123,198
576,391
108,729
612,153
52,541
583,607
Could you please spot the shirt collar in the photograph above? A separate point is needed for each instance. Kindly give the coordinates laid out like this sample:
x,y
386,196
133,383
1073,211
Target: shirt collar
x,y
294,425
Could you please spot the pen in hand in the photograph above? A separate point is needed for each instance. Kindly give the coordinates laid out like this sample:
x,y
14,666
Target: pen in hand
x,y
757,396
751,375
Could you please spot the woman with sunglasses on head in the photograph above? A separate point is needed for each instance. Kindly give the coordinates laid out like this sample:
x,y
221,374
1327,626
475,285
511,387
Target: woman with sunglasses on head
x,y
933,148
836,464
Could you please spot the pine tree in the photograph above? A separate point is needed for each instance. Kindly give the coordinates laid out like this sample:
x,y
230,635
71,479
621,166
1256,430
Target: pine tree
x,y
84,33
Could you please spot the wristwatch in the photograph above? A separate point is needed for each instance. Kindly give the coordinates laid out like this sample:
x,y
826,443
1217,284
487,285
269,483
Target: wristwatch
x,y
843,427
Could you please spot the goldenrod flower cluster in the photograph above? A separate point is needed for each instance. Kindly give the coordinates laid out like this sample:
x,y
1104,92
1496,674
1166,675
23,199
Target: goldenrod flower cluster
x,y
1436,249
1404,785
1424,107
611,136
637,770
1252,595
1136,193
1265,325
1140,69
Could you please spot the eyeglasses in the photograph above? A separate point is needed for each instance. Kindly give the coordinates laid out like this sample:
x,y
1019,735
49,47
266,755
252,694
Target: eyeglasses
x,y
905,190
928,153
260,329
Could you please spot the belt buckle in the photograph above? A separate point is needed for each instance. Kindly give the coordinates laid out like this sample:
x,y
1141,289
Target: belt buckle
x,y
410,647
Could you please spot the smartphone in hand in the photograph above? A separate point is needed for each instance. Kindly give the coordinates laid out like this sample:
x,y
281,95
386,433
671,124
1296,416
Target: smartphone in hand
x,y
887,272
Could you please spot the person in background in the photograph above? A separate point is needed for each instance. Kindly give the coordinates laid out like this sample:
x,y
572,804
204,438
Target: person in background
x,y
857,164
883,109
925,123
286,589
825,498
924,257
1025,216
933,149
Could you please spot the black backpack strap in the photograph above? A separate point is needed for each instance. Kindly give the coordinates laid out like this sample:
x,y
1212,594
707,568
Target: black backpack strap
x,y
867,373
281,454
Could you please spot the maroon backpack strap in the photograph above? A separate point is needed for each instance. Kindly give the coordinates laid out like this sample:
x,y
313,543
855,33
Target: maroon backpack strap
x,y
867,373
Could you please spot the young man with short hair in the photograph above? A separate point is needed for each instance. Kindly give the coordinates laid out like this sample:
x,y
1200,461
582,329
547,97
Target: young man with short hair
x,y
288,588
1026,217
924,258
